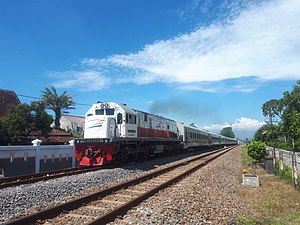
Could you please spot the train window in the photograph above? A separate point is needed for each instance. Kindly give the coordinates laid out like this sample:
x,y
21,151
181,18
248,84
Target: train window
x,y
110,112
168,127
131,119
119,118
99,112
90,114
145,117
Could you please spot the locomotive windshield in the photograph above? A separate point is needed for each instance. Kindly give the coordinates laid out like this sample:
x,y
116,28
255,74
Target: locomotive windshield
x,y
110,112
99,112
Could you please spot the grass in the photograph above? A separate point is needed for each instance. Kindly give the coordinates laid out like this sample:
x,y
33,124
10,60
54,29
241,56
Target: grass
x,y
274,202
286,173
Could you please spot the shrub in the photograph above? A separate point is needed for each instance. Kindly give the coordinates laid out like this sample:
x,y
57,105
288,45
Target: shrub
x,y
256,150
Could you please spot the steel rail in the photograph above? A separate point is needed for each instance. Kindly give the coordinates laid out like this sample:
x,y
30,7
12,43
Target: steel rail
x,y
73,204
31,178
120,211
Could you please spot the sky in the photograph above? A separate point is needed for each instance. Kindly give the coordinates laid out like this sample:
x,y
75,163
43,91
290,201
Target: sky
x,y
209,62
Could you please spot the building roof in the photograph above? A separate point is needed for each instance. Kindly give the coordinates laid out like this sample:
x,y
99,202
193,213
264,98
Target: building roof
x,y
77,119
55,136
7,99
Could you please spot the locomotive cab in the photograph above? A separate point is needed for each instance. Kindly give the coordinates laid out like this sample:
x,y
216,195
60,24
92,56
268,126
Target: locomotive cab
x,y
110,120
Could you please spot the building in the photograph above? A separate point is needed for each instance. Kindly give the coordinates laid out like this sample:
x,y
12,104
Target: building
x,y
72,123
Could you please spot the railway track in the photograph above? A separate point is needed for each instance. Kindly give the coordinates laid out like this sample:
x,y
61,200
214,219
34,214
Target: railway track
x,y
106,205
31,178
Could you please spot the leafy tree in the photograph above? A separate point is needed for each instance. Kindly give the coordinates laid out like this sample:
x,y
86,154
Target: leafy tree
x,y
287,111
227,132
262,133
256,150
59,104
272,108
267,132
290,117
21,120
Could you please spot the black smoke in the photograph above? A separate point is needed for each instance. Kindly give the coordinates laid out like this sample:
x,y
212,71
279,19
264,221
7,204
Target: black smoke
x,y
185,110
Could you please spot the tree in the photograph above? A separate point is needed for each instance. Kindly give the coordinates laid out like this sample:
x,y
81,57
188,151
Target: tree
x,y
272,108
59,104
21,120
291,111
227,132
287,111
267,132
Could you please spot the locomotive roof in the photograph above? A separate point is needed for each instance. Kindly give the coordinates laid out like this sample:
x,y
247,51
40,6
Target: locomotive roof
x,y
154,115
127,109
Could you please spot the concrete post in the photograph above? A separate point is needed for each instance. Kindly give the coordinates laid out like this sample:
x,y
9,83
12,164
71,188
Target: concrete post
x,y
37,144
270,168
73,153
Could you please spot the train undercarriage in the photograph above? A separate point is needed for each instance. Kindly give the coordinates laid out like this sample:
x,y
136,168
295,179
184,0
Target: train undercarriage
x,y
98,152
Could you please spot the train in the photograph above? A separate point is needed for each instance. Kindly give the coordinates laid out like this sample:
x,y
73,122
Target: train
x,y
115,132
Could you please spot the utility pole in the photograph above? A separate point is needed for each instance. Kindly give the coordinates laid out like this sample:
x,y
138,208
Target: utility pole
x,y
294,166
271,120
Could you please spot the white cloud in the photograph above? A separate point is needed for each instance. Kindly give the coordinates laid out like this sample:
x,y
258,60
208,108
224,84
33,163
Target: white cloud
x,y
261,41
246,85
81,80
242,123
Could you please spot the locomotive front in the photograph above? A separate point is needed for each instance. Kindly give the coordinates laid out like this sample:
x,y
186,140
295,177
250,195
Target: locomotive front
x,y
104,122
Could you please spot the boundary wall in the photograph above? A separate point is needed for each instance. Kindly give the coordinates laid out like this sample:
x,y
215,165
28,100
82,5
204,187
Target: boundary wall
x,y
26,159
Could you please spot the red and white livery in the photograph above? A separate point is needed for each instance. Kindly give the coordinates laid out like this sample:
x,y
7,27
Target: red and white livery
x,y
116,132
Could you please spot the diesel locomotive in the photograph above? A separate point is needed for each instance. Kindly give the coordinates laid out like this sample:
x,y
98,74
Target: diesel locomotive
x,y
116,132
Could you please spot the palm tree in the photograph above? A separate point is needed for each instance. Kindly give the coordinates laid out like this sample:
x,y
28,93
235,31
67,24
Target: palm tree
x,y
59,104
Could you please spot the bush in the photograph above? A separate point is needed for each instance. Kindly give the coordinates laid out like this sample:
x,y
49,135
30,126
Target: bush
x,y
256,150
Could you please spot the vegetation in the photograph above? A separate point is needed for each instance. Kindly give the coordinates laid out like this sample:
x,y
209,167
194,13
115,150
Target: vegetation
x,y
283,128
23,119
59,104
227,132
76,134
274,202
285,174
256,150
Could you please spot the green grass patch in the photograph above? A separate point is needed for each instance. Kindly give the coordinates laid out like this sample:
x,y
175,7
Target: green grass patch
x,y
286,173
281,218
246,159
247,221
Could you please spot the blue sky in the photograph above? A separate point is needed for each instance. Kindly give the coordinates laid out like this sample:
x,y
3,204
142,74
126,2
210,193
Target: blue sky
x,y
212,62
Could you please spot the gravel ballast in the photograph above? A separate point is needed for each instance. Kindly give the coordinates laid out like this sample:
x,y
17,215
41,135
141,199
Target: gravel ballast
x,y
37,196
208,196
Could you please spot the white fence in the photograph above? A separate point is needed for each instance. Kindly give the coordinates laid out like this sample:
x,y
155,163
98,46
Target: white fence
x,y
39,152
288,158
